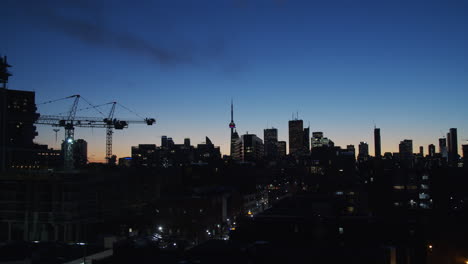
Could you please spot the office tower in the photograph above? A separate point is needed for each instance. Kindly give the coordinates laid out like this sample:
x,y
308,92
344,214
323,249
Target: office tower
x,y
281,149
465,155
208,152
17,130
79,150
270,136
164,143
249,147
406,147
452,145
234,135
296,137
317,139
187,142
431,149
170,143
363,151
449,144
145,155
351,149
443,147
406,152
80,153
421,151
306,147
377,146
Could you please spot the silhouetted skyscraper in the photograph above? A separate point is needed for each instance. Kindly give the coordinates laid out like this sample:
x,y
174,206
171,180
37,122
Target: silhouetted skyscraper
x,y
465,155
443,147
377,146
80,152
351,149
187,142
319,141
281,148
316,139
406,152
421,151
164,143
452,145
431,149
270,137
296,137
249,147
306,143
363,151
170,143
17,130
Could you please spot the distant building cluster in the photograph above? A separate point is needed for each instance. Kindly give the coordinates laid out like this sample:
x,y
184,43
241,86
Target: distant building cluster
x,y
170,154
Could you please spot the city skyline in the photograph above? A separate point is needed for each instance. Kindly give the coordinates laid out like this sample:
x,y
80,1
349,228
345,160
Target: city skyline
x,y
96,151
343,67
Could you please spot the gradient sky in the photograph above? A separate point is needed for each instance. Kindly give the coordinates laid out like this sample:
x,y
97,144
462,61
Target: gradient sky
x,y
343,65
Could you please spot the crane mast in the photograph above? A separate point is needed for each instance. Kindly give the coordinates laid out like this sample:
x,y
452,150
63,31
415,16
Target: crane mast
x,y
70,134
109,133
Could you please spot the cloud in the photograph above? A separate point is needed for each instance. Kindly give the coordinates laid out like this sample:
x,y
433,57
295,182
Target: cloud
x,y
84,20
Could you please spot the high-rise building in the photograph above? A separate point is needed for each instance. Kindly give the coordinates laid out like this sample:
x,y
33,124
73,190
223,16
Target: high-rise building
x,y
281,149
363,151
208,152
316,139
170,143
421,151
465,155
452,145
187,142
431,149
270,137
296,137
406,152
80,153
249,147
377,143
319,141
443,147
351,149
164,143
306,147
76,151
17,130
144,155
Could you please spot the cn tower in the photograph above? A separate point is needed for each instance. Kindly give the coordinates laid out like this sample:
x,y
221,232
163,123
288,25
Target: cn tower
x,y
232,126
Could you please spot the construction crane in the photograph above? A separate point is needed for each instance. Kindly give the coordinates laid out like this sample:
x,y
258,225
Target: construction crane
x,y
70,121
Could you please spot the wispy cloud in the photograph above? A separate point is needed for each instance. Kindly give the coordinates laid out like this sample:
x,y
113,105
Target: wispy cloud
x,y
84,20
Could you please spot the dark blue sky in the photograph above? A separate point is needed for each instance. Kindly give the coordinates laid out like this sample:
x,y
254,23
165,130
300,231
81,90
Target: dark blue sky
x,y
343,65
